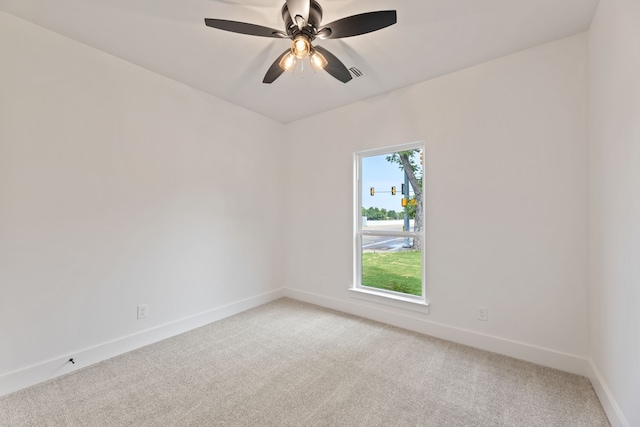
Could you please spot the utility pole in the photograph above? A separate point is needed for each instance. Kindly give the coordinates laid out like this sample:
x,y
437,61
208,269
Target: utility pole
x,y
407,226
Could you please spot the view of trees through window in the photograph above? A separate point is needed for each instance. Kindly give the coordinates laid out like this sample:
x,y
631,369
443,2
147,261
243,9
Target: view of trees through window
x,y
390,231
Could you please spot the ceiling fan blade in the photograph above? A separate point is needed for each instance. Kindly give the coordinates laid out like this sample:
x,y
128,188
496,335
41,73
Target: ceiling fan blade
x,y
299,8
275,70
245,28
358,24
335,67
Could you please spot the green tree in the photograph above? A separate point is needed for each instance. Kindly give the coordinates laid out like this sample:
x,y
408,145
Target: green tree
x,y
374,214
406,160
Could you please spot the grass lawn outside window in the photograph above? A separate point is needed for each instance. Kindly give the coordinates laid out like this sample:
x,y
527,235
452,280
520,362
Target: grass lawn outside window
x,y
393,271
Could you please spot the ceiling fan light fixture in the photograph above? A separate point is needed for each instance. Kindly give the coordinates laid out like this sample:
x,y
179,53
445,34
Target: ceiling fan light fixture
x,y
318,61
301,46
302,25
288,61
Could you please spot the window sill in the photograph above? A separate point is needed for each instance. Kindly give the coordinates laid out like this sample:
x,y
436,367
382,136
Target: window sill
x,y
392,300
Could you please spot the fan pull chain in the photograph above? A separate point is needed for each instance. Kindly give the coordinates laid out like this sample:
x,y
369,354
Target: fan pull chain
x,y
302,69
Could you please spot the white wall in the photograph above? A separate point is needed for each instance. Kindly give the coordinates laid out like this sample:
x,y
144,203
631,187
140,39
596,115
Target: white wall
x,y
119,187
506,202
614,90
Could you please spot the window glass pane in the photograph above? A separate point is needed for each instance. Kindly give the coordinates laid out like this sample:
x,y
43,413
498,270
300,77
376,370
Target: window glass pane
x,y
384,243
391,207
392,263
390,197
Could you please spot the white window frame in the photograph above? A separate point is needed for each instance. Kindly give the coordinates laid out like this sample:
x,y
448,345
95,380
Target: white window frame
x,y
398,299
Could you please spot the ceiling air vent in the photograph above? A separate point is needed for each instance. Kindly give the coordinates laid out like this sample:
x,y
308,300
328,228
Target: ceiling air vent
x,y
356,72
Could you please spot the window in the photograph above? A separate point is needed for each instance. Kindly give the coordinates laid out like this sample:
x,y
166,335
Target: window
x,y
390,222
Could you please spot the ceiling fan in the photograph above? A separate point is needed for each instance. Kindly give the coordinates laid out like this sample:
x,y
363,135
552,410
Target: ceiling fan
x,y
302,25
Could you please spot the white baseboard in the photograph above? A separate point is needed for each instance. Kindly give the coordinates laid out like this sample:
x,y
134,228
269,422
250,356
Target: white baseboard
x,y
611,408
419,323
53,368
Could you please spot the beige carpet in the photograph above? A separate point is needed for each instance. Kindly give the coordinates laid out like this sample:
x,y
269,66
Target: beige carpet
x,y
293,364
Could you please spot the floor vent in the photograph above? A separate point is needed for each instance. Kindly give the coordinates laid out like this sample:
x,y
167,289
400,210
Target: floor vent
x,y
356,72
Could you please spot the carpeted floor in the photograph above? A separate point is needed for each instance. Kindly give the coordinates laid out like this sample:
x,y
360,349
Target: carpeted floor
x,y
288,363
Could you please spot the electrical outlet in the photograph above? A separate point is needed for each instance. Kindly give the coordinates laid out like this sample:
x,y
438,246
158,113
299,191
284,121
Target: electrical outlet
x,y
483,313
321,282
143,311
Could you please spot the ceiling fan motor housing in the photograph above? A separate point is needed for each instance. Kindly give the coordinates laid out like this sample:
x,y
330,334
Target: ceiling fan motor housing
x,y
311,26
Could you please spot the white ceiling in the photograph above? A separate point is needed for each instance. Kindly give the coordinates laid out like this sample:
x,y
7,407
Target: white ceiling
x,y
431,38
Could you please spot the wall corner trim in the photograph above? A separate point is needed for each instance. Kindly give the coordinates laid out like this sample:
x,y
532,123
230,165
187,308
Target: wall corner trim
x,y
611,408
50,369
